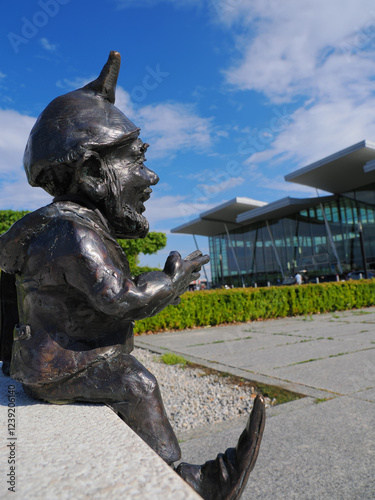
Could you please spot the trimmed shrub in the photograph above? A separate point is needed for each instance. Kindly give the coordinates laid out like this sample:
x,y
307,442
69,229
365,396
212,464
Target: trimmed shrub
x,y
239,305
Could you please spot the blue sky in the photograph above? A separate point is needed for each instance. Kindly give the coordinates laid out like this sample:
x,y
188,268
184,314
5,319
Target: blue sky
x,y
230,94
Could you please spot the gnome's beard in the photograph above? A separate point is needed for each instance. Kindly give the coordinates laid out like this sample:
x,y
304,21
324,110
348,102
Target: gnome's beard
x,y
123,204
129,223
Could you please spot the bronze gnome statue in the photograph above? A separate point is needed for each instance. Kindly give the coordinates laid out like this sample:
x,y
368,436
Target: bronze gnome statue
x,y
76,299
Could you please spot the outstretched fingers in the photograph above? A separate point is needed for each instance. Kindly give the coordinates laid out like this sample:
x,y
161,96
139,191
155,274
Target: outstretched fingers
x,y
193,255
197,258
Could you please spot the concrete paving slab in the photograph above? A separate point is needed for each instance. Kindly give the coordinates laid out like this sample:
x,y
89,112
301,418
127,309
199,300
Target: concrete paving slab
x,y
326,327
220,342
277,360
346,374
312,322
197,336
339,330
258,340
367,395
362,338
320,451
234,426
231,343
261,361
331,456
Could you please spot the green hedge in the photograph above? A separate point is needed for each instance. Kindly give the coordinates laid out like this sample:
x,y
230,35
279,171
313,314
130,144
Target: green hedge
x,y
214,307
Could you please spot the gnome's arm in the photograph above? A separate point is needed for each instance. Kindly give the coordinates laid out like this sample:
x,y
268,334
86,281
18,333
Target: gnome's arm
x,y
112,291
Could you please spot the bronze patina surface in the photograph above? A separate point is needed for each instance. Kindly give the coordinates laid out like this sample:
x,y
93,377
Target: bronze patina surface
x,y
76,298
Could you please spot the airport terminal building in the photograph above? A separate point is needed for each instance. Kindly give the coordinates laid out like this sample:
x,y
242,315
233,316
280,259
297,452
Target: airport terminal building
x,y
255,242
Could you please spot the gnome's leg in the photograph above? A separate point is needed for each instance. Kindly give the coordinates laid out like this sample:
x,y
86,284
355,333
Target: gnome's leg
x,y
147,417
127,387
225,477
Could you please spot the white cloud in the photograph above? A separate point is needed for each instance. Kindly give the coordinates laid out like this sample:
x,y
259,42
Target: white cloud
x,y
174,127
124,103
19,195
318,131
169,127
319,56
173,207
256,175
15,129
69,85
15,191
299,49
217,185
164,187
48,46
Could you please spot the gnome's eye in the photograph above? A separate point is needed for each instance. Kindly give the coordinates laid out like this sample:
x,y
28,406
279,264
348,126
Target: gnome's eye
x,y
144,147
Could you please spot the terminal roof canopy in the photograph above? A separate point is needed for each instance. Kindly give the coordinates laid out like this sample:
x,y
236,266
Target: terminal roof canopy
x,y
212,222
340,172
281,208
344,171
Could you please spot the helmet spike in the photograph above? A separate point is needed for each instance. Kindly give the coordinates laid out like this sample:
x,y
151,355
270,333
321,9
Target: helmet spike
x,y
105,84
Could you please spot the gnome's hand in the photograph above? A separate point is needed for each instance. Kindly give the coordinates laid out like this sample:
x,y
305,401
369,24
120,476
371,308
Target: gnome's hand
x,y
184,271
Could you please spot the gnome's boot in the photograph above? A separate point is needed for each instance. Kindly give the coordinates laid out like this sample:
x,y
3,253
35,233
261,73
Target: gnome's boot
x,y
225,477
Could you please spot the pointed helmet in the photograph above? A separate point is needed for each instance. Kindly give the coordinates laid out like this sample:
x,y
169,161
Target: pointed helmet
x,y
74,124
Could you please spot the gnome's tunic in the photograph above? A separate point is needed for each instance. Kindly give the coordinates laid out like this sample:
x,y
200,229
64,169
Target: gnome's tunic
x,y
69,273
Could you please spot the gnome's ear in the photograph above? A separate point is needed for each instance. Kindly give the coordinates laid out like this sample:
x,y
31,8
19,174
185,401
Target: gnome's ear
x,y
105,84
91,178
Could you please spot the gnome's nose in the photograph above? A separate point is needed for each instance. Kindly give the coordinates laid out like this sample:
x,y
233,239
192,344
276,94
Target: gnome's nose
x,y
154,178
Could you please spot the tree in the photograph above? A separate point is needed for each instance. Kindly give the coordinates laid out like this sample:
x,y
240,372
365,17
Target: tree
x,y
9,217
152,243
132,248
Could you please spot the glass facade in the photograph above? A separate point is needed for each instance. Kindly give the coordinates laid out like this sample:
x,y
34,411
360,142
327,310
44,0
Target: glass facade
x,y
321,239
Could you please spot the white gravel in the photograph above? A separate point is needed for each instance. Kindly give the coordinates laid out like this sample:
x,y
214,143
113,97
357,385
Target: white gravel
x,y
194,399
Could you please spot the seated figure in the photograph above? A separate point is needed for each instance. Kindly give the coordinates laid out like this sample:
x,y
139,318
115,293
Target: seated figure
x,y
77,301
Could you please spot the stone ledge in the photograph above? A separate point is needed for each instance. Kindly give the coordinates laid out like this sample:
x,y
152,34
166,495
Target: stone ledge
x,y
80,451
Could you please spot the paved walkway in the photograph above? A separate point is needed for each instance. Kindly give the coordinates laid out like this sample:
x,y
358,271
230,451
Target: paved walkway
x,y
319,447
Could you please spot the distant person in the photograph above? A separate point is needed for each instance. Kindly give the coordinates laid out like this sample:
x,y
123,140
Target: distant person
x,y
298,278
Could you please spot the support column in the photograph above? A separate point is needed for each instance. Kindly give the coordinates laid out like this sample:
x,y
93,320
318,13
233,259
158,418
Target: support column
x,y
204,269
275,250
363,252
329,234
234,256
